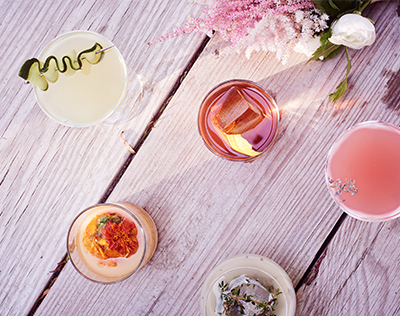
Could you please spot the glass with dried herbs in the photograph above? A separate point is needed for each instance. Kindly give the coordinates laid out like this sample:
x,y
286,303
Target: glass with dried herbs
x,y
363,171
248,285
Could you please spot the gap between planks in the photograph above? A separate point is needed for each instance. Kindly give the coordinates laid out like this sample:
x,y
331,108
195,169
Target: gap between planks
x,y
313,269
56,272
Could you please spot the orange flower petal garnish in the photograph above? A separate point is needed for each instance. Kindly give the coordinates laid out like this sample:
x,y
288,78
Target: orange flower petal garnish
x,y
113,240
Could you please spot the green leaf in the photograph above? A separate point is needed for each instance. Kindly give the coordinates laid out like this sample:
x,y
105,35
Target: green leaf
x,y
115,219
340,90
104,219
333,9
342,87
334,53
327,52
333,5
364,4
101,222
325,37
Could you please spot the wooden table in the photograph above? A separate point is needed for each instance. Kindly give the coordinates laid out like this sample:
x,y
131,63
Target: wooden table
x,y
206,208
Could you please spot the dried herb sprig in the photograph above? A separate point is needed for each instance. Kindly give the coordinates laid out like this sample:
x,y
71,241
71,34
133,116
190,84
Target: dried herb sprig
x,y
233,298
348,187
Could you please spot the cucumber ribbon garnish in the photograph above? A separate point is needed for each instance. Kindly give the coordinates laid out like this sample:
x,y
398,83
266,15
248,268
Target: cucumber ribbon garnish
x,y
39,73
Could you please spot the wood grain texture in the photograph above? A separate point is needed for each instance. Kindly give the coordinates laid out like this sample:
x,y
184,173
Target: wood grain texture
x,y
49,173
207,209
358,275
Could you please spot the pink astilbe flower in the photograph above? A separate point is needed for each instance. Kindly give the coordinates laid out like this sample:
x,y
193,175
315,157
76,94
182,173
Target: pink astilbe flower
x,y
269,25
279,33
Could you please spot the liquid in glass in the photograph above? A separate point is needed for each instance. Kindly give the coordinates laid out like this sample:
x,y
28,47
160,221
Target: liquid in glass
x,y
363,171
89,95
238,120
109,242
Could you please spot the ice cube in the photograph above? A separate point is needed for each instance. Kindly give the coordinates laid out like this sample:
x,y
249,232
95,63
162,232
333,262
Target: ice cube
x,y
237,115
247,286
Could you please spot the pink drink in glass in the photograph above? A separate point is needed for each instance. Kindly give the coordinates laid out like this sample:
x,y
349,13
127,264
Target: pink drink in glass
x,y
363,171
258,126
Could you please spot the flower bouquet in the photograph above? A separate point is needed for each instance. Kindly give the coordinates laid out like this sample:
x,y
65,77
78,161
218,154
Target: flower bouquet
x,y
318,28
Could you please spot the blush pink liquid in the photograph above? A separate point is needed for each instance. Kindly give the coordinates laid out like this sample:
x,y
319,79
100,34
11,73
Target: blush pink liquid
x,y
369,153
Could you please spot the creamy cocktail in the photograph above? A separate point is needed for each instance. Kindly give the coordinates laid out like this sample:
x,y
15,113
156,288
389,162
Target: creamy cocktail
x,y
108,242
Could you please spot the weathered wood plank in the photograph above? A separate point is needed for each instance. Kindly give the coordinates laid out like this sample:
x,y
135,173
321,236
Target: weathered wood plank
x,y
207,209
358,274
50,172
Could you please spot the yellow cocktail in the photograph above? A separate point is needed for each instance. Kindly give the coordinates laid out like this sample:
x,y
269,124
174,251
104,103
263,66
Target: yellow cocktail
x,y
84,94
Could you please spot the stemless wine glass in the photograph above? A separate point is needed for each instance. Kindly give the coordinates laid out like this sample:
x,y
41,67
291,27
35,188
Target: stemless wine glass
x,y
255,267
238,120
363,171
90,95
101,268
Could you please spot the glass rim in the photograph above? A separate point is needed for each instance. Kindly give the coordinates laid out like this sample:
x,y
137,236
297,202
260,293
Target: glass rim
x,y
372,218
123,208
122,97
274,107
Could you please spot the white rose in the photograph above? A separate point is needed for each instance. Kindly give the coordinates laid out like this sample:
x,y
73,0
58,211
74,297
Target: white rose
x,y
353,31
308,47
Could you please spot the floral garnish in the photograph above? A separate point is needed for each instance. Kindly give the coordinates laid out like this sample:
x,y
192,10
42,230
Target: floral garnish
x,y
121,237
111,236
347,187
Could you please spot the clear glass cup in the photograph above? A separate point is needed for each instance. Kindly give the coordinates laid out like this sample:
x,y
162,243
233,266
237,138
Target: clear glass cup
x,y
92,94
238,120
111,270
256,267
363,171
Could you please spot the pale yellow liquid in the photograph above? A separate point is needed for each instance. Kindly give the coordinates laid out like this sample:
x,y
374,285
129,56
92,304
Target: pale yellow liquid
x,y
87,96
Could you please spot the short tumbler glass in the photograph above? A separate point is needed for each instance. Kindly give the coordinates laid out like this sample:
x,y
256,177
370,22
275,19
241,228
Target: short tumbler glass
x,y
238,120
99,269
